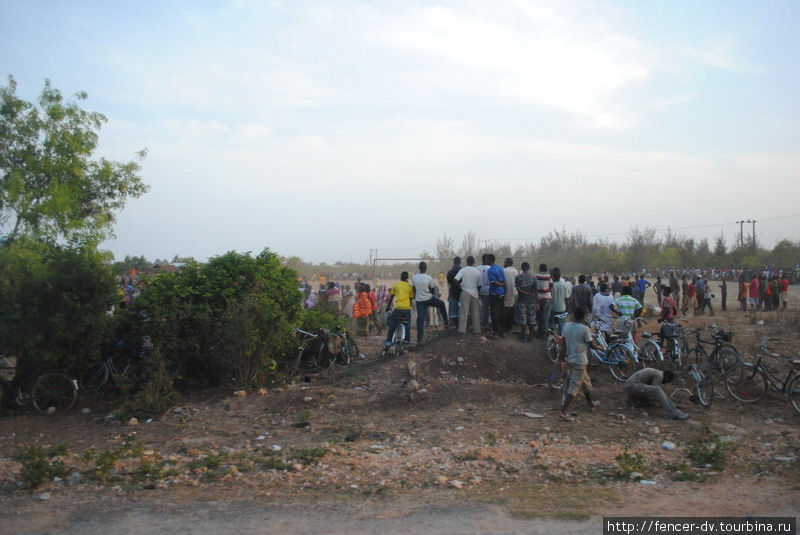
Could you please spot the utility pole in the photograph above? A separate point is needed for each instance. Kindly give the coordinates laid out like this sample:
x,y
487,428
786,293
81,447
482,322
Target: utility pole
x,y
753,221
741,233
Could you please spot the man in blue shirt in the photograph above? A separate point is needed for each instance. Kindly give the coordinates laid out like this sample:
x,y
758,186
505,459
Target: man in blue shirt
x,y
643,285
497,291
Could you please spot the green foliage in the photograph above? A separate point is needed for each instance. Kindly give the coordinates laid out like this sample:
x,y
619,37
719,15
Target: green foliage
x,y
303,420
308,455
708,449
626,464
229,321
39,466
51,187
151,392
319,318
668,258
53,302
682,472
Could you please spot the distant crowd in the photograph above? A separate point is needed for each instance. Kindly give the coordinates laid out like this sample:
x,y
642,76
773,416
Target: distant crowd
x,y
488,296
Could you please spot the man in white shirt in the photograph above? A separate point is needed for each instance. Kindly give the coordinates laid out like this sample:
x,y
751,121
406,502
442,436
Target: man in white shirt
x,y
511,294
469,278
601,307
423,294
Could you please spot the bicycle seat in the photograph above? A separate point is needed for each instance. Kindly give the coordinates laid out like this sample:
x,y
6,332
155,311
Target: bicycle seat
x,y
647,335
613,337
562,315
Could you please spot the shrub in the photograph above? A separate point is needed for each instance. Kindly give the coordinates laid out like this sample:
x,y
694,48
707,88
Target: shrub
x,y
229,321
39,466
53,302
708,449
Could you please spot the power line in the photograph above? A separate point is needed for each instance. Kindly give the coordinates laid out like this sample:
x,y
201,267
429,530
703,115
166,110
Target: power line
x,y
603,234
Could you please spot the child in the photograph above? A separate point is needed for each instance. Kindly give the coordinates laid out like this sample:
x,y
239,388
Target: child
x,y
578,339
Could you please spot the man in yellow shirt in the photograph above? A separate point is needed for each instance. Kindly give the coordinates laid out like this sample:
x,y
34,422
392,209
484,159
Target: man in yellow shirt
x,y
401,294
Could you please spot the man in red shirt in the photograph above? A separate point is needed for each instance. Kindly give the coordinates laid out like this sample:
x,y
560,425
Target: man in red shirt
x,y
753,300
691,295
784,289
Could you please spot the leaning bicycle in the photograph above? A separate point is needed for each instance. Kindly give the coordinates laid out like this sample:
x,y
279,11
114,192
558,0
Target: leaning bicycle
x,y
554,343
51,393
750,381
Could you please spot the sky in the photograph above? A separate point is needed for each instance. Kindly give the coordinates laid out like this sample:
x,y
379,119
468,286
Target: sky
x,y
326,129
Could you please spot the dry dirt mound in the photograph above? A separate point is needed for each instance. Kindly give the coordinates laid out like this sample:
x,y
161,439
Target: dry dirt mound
x,y
474,357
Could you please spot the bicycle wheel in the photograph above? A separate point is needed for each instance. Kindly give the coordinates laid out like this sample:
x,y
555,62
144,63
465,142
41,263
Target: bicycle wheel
x,y
565,381
620,361
793,392
650,355
727,359
552,347
556,377
94,378
398,339
54,392
349,349
322,358
703,379
747,383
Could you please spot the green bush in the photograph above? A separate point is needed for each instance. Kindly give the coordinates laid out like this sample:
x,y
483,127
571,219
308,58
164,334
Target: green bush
x,y
39,466
317,318
708,449
53,302
229,321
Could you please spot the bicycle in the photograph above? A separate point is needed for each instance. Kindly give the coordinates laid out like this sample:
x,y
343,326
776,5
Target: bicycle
x,y
749,381
52,392
331,347
554,344
699,370
617,358
723,358
398,342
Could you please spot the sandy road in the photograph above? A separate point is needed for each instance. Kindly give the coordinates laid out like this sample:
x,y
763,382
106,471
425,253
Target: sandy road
x,y
253,517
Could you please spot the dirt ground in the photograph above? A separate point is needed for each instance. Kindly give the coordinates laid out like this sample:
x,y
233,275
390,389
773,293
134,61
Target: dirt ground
x,y
460,435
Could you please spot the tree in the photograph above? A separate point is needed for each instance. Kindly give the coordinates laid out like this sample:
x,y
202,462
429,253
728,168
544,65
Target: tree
x,y
469,244
444,248
51,187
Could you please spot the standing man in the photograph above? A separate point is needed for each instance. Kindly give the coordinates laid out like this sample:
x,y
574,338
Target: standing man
x,y
453,291
601,307
545,299
627,308
483,268
441,279
469,282
643,284
525,283
673,289
423,294
784,289
753,299
401,293
558,293
510,273
723,291
582,294
497,291
658,288
578,338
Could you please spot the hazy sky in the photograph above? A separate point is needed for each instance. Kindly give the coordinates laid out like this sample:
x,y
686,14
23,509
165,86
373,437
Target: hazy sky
x,y
324,129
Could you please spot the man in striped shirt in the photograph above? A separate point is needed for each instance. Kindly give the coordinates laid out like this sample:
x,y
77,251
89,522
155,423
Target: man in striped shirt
x,y
545,299
627,308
